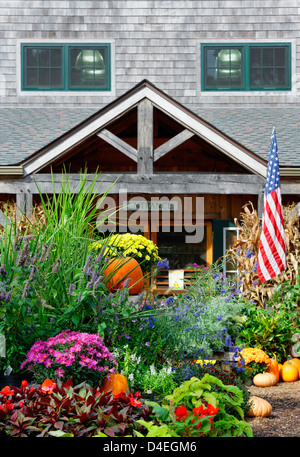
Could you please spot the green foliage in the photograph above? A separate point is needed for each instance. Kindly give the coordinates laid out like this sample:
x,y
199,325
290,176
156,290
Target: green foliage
x,y
268,329
146,379
228,375
203,411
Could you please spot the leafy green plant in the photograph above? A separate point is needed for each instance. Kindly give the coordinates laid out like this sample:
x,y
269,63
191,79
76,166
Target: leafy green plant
x,y
228,375
64,410
266,329
146,379
194,409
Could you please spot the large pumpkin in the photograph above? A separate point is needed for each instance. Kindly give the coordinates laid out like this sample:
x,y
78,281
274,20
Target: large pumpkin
x,y
114,383
259,407
119,270
264,380
289,372
274,368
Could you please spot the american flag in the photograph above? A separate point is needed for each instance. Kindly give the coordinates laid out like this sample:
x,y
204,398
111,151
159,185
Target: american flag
x,y
271,258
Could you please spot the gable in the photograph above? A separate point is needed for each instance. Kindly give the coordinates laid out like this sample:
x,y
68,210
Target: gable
x,y
136,113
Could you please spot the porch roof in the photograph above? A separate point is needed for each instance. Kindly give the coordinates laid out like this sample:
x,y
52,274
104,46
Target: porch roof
x,y
26,132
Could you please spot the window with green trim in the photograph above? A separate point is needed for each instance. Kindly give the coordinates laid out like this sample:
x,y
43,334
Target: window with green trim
x,y
66,67
259,66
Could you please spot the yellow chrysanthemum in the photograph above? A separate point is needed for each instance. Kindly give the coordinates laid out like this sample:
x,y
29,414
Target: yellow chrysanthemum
x,y
136,246
255,355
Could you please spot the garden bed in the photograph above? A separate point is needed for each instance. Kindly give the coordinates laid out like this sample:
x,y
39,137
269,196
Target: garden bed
x,y
285,418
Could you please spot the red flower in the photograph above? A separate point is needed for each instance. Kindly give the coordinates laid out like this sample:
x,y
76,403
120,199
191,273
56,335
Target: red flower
x,y
181,413
48,386
134,401
6,391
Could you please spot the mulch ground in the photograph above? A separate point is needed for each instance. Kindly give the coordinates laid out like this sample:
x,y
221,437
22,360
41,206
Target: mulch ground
x,y
284,420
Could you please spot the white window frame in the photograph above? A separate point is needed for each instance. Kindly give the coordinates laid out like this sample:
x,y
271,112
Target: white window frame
x,y
226,250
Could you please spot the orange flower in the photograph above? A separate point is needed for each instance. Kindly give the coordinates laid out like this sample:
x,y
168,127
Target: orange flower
x,y
6,391
48,386
134,401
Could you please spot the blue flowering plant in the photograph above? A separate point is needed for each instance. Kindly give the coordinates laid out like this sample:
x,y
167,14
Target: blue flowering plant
x,y
206,319
80,356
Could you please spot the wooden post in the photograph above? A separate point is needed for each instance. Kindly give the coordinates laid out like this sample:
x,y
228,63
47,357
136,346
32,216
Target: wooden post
x,y
24,204
145,138
260,204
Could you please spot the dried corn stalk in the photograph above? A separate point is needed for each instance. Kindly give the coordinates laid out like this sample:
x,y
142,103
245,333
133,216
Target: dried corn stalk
x,y
9,208
244,252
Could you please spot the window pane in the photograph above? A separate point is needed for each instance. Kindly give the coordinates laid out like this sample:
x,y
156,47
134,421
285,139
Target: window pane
x,y
88,67
31,77
180,254
280,57
255,57
44,60
269,67
56,76
223,68
267,57
32,57
42,67
255,77
44,79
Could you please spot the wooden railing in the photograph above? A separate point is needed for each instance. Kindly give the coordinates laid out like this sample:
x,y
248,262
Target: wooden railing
x,y
161,285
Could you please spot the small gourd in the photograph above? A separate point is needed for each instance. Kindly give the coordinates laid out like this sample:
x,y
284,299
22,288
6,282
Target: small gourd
x,y
259,407
265,379
114,383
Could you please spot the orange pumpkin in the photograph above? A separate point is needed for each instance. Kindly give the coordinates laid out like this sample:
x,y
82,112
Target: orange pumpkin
x,y
289,372
114,382
119,270
296,362
274,368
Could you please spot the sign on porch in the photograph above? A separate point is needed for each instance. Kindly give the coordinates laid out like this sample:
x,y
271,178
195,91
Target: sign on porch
x,y
176,279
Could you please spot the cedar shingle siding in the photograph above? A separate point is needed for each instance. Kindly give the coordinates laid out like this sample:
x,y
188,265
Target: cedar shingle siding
x,y
156,40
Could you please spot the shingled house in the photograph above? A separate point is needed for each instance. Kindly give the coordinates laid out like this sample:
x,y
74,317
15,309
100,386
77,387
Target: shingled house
x,y
174,99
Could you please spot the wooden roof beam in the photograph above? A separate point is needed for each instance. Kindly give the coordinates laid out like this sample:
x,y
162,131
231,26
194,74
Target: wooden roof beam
x,y
172,143
118,143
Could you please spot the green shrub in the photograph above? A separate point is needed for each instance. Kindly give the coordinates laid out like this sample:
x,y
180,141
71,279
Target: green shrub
x,y
269,329
196,409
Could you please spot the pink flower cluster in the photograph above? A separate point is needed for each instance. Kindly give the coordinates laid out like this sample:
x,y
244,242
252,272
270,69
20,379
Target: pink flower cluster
x,y
69,348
